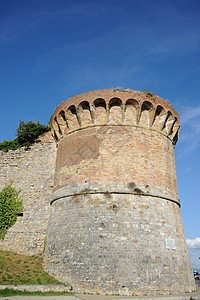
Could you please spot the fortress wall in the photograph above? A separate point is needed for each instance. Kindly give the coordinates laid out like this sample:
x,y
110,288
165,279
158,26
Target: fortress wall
x,y
112,241
31,171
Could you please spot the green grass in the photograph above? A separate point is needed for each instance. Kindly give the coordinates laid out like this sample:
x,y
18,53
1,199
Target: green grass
x,y
10,292
21,269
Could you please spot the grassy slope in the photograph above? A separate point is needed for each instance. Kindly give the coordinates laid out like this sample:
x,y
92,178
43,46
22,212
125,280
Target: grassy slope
x,y
10,292
21,269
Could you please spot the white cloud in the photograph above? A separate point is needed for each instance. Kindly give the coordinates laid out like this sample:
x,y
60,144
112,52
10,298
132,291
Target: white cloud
x,y
190,114
190,127
193,243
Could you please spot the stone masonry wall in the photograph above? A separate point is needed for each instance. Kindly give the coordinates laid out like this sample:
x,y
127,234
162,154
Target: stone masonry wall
x,y
115,240
31,171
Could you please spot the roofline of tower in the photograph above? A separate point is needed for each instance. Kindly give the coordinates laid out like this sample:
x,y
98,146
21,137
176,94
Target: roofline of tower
x,y
158,109
115,91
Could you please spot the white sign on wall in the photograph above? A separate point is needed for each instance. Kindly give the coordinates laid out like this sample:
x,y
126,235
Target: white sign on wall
x,y
169,243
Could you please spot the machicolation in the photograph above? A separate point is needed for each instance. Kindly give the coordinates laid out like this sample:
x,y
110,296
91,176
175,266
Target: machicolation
x,y
105,195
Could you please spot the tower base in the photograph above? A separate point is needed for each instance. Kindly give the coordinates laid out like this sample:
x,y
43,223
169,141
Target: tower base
x,y
116,238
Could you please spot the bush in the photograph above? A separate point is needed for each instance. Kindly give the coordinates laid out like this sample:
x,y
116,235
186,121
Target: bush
x,y
148,93
7,145
27,134
10,207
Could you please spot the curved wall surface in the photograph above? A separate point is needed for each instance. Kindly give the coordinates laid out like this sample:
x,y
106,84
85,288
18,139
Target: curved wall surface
x,y
115,224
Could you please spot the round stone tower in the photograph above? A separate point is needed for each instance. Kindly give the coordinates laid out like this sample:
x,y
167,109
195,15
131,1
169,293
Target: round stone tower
x,y
115,224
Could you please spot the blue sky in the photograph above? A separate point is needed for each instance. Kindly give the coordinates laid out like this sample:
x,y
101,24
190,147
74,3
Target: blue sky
x,y
54,49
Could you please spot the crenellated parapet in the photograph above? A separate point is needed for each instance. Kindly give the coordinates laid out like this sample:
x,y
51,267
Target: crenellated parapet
x,y
115,107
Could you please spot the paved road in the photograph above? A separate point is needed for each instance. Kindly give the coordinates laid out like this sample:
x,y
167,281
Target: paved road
x,y
189,296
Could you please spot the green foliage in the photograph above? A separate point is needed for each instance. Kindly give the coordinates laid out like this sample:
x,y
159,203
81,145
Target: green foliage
x,y
45,240
7,145
11,292
28,133
50,120
148,93
10,207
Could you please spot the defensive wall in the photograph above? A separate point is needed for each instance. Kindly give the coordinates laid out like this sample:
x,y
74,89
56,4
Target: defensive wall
x,y
31,171
105,195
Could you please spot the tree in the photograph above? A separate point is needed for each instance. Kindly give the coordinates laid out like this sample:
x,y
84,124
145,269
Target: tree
x,y
28,133
10,207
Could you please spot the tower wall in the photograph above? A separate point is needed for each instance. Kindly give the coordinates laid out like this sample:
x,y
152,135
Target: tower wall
x,y
115,224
